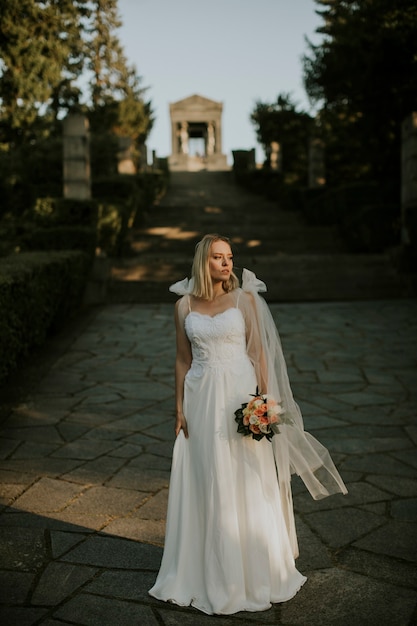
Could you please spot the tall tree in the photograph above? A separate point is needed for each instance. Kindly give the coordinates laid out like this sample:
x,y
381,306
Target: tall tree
x,y
41,53
117,97
46,46
364,75
281,122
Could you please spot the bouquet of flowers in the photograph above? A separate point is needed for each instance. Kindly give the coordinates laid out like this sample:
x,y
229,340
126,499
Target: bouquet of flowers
x,y
260,417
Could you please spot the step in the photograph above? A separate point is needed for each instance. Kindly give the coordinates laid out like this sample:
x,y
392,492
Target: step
x,y
299,262
300,278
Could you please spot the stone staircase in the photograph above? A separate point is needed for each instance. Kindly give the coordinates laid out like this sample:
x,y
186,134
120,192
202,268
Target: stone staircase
x,y
298,262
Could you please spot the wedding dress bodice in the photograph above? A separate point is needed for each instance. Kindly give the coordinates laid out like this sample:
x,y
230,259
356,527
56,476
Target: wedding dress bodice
x,y
216,340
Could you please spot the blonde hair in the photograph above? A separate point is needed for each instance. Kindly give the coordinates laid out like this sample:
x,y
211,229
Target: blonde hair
x,y
203,286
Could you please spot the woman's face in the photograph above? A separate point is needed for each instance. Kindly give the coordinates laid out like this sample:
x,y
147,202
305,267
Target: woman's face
x,y
220,261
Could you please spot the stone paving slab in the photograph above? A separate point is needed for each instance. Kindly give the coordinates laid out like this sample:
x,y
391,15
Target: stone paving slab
x,y
85,459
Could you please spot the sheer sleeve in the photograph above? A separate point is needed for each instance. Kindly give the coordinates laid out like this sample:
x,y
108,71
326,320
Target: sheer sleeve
x,y
254,343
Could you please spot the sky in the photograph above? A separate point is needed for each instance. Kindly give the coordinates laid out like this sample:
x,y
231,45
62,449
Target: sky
x,y
233,51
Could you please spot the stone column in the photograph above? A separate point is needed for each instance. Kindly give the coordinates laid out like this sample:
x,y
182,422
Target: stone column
x,y
174,138
409,179
316,164
218,137
211,140
125,164
143,156
184,137
77,175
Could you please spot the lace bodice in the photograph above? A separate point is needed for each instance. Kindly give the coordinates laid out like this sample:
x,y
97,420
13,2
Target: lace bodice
x,y
216,341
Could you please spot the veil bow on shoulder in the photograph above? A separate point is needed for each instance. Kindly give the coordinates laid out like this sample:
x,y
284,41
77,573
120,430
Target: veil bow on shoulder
x,y
182,287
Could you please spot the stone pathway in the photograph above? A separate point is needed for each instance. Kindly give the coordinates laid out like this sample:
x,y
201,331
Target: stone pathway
x,y
85,460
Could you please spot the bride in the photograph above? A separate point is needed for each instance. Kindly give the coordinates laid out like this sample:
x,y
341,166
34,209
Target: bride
x,y
230,539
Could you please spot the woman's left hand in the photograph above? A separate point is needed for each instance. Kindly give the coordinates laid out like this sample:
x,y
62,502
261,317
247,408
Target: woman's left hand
x,y
181,424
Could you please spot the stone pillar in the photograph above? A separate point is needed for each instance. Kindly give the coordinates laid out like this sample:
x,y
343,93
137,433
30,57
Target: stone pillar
x,y
125,164
316,164
211,140
174,138
218,137
77,175
409,180
143,151
184,137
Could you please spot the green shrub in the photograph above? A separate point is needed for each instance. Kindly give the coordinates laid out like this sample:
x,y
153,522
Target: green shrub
x,y
332,206
28,171
113,223
103,154
59,211
38,291
60,238
123,199
114,187
54,224
298,198
372,228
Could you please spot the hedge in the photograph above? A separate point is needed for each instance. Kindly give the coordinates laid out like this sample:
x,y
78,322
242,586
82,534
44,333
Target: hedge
x,y
38,292
60,238
122,201
49,212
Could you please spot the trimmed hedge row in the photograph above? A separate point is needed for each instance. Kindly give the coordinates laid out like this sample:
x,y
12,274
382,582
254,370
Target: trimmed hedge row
x,y
119,204
38,292
60,238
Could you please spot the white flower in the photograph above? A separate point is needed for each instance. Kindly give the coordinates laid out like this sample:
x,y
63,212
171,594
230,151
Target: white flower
x,y
264,428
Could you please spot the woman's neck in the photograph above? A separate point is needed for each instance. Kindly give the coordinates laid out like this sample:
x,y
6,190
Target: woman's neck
x,y
218,291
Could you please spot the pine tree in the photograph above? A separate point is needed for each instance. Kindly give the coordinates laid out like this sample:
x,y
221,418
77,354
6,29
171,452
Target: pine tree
x,y
364,76
281,122
41,53
46,46
117,98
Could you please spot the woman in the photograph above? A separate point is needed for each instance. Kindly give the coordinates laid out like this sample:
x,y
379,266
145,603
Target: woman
x,y
230,541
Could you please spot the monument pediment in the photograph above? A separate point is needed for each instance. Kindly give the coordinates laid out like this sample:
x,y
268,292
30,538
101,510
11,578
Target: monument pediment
x,y
196,102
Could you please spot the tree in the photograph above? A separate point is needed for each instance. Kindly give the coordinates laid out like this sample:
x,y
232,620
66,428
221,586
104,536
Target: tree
x,y
41,54
46,46
364,76
116,94
281,122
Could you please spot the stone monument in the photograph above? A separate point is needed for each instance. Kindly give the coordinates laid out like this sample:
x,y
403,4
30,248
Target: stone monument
x,y
77,183
196,117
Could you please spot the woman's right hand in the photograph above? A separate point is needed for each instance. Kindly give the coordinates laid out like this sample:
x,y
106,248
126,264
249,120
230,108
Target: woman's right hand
x,y
181,424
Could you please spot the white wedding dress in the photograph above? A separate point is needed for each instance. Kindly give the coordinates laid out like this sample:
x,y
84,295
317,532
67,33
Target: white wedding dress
x,y
227,548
